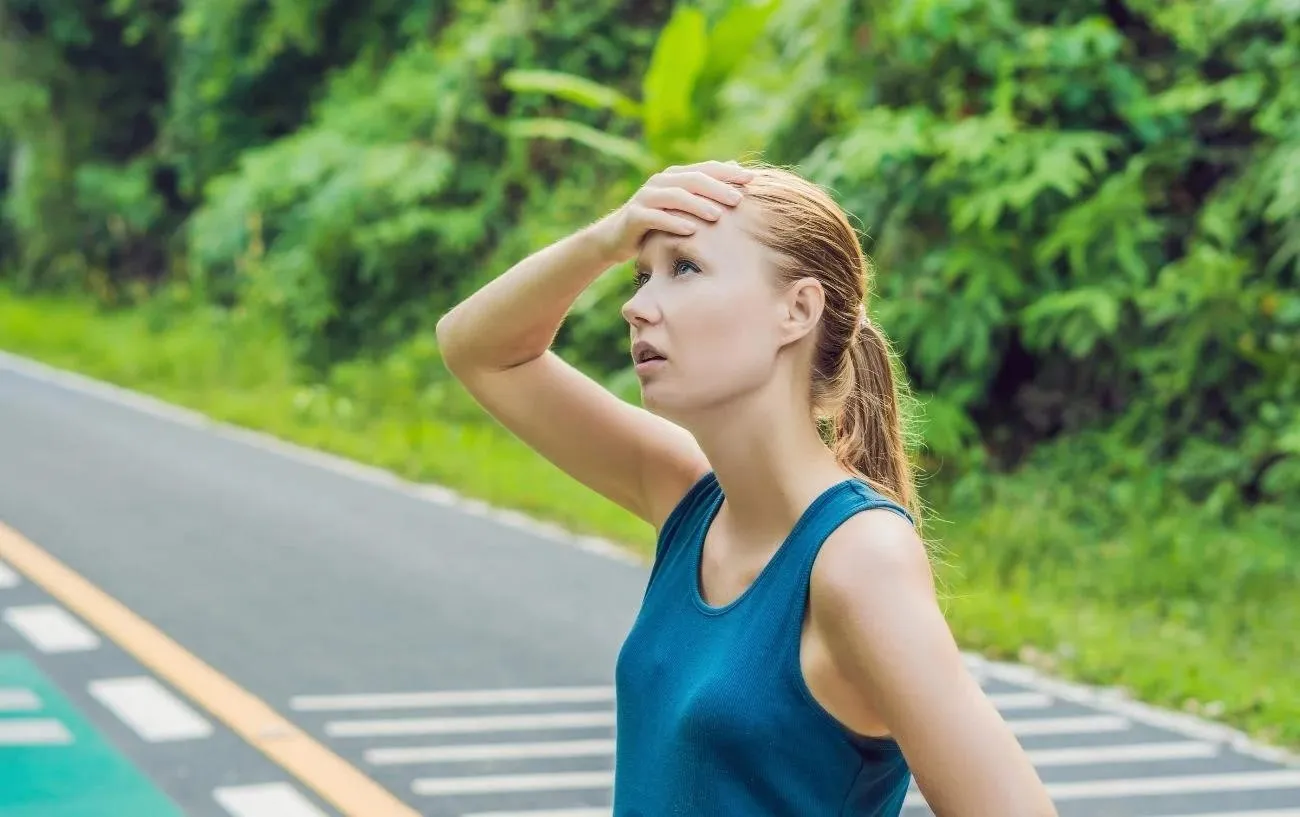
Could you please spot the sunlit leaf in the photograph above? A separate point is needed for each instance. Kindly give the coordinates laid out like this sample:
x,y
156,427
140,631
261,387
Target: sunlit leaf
x,y
675,64
609,144
571,88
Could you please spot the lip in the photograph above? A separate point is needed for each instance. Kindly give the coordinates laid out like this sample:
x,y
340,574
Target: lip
x,y
646,357
642,350
645,367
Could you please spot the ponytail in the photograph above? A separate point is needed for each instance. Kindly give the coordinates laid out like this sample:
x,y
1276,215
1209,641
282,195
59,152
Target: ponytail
x,y
854,394
868,429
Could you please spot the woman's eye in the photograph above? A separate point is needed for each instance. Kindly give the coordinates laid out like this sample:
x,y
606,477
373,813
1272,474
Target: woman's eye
x,y
639,279
685,266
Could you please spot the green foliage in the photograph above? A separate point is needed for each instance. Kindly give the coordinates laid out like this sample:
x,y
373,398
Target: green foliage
x,y
689,64
358,227
78,80
1100,202
249,71
1085,215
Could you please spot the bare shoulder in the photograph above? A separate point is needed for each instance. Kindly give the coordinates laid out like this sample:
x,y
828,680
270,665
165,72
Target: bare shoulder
x,y
872,600
873,605
870,559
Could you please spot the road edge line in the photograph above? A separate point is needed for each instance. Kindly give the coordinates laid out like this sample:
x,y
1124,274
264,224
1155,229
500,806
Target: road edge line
x,y
430,492
308,761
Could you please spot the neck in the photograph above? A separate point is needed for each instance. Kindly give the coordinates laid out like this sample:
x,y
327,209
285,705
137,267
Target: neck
x,y
770,462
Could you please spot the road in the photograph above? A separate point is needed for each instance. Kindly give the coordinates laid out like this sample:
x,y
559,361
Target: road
x,y
455,662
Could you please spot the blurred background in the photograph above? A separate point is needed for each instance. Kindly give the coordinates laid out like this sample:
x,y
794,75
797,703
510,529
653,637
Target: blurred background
x,y
1085,216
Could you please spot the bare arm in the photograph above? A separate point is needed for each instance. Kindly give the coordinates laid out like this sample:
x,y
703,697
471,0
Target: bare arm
x,y
873,601
498,342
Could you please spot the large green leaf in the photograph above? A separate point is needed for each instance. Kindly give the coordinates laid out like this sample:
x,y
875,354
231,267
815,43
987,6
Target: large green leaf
x,y
732,38
610,145
675,65
571,88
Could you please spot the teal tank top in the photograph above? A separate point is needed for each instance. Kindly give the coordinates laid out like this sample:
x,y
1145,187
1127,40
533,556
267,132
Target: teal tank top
x,y
713,714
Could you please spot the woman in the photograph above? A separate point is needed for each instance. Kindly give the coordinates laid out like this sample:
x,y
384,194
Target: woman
x,y
790,657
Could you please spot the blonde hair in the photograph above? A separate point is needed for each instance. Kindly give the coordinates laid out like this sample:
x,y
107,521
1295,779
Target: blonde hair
x,y
854,388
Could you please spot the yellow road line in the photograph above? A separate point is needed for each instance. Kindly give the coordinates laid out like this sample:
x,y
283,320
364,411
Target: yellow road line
x,y
334,779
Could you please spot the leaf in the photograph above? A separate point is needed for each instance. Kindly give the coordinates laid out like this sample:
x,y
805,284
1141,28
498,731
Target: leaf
x,y
1281,172
732,38
1077,319
571,88
610,145
675,65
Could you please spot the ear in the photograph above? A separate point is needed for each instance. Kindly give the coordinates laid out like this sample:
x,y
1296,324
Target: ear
x,y
802,306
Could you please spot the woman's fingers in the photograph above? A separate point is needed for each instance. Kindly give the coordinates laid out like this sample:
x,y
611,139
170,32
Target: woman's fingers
x,y
712,181
678,198
723,171
703,190
667,222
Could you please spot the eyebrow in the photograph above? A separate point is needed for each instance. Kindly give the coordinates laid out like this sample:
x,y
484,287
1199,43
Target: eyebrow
x,y
676,245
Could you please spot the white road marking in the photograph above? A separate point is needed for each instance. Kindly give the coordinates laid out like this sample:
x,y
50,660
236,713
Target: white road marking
x,y
447,726
476,697
51,629
570,812
1283,812
33,732
18,700
265,800
1172,784
492,784
1005,701
8,578
1176,784
152,712
1073,725
1121,753
1124,753
394,755
1008,701
1118,702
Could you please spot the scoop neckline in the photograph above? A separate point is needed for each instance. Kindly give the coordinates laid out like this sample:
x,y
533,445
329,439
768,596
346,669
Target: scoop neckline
x,y
702,535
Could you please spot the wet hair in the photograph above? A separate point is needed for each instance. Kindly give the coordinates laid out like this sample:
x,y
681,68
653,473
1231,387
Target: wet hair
x,y
856,394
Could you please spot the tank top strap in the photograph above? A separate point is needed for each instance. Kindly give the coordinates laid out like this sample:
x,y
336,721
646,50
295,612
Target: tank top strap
x,y
831,510
692,511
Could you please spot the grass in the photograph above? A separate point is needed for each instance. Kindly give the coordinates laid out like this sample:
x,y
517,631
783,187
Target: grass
x,y
236,371
1108,582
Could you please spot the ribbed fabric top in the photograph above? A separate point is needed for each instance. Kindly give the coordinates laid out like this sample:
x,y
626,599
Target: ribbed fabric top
x,y
714,715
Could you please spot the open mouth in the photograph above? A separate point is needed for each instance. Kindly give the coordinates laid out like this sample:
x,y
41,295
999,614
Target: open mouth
x,y
643,352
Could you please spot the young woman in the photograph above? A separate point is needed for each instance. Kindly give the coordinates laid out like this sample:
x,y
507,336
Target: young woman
x,y
790,657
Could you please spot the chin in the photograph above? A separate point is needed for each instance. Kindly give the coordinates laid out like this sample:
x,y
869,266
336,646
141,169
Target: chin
x,y
654,400
672,406
650,401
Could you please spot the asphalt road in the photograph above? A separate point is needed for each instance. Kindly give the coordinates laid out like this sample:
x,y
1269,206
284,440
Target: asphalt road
x,y
324,592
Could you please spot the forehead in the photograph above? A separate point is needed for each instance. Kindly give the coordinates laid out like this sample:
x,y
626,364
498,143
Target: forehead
x,y
726,241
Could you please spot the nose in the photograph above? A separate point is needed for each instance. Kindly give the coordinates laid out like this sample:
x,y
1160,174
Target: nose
x,y
639,310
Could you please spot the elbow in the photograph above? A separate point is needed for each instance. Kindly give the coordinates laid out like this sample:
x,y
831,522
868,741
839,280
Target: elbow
x,y
444,333
467,348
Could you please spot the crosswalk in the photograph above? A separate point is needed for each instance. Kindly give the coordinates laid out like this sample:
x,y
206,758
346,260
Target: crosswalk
x,y
548,752
54,759
541,751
